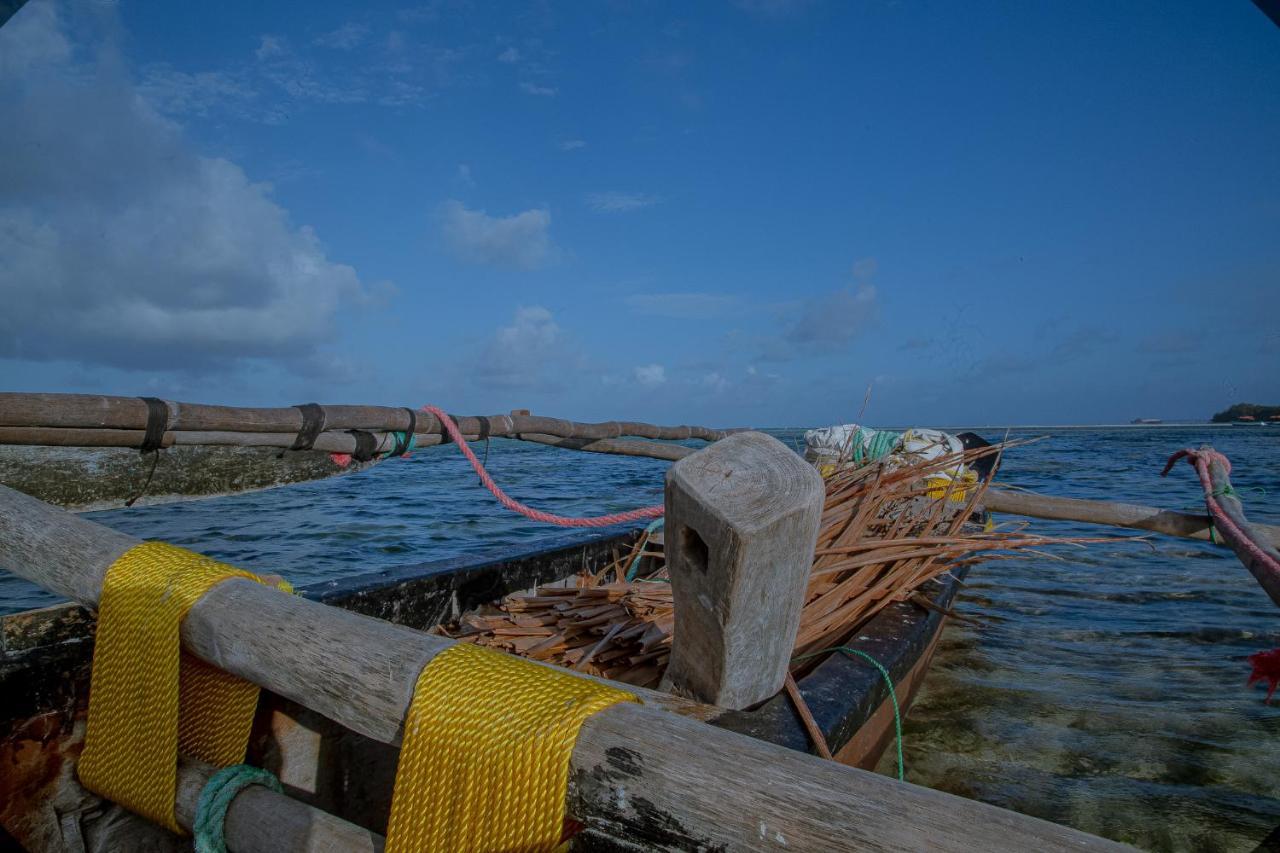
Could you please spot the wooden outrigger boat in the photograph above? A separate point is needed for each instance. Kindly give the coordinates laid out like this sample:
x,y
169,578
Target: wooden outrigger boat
x,y
337,665
47,657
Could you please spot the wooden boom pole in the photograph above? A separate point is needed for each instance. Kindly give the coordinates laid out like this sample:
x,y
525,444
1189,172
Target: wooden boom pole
x,y
637,771
1114,513
129,414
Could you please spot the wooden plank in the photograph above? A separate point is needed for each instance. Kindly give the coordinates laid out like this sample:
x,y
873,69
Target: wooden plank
x,y
741,522
637,772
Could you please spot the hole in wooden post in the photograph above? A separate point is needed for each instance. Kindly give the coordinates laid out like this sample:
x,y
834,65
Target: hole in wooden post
x,y
695,550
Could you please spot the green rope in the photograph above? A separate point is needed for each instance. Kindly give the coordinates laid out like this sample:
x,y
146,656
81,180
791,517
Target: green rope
x,y
215,799
893,694
879,445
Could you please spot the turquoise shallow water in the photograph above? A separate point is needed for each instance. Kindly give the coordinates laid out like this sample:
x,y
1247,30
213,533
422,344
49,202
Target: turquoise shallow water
x,y
1104,690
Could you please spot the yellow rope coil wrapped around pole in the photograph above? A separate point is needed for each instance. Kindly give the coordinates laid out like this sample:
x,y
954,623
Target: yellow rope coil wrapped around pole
x,y
484,764
148,699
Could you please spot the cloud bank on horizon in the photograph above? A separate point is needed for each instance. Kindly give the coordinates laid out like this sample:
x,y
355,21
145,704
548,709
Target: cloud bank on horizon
x,y
746,213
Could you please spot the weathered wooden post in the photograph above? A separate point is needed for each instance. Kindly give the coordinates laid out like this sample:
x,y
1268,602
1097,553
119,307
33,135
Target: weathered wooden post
x,y
742,519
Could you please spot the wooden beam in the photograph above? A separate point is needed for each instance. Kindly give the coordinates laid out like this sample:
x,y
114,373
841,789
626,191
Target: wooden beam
x,y
650,449
261,821
637,772
92,411
741,524
1117,514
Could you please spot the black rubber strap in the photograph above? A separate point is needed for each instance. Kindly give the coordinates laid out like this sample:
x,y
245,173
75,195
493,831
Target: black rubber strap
x,y
366,445
484,428
403,444
312,425
445,438
157,424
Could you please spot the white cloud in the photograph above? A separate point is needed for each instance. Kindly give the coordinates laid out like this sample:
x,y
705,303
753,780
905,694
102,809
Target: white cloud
x,y
651,375
121,246
524,354
617,202
346,37
521,240
714,381
31,39
269,46
540,91
681,306
834,318
180,93
572,145
509,56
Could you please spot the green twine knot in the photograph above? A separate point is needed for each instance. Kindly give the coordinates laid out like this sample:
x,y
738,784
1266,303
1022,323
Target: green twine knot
x,y
1225,491
893,694
215,799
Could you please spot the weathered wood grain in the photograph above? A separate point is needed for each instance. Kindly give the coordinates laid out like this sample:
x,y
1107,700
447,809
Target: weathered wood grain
x,y
262,821
91,411
1117,514
638,772
741,522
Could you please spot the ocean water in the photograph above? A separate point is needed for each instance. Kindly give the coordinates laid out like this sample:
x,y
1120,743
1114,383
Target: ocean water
x,y
1101,687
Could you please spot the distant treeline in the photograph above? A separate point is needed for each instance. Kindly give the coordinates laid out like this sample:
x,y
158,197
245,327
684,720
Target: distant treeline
x,y
1253,410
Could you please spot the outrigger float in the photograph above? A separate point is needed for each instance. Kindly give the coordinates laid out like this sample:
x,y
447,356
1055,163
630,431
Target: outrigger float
x,y
760,558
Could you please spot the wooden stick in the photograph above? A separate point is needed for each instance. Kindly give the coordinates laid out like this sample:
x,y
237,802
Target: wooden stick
x,y
1108,512
91,411
651,449
261,821
806,717
329,441
680,784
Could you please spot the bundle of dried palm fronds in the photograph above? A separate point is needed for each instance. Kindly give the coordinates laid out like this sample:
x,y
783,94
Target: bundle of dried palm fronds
x,y
885,531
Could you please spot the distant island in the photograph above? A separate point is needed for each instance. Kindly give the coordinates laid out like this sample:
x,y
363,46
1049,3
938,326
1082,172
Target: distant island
x,y
1247,412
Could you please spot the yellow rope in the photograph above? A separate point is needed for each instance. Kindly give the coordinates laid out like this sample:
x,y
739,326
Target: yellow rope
x,y
149,700
485,761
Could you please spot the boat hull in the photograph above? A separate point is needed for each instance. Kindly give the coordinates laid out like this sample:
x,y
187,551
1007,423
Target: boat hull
x,y
45,661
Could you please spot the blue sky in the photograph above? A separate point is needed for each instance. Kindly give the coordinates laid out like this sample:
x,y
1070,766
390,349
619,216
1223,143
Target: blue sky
x,y
729,213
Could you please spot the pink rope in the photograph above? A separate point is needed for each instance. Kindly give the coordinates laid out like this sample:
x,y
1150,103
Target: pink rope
x,y
529,512
1199,460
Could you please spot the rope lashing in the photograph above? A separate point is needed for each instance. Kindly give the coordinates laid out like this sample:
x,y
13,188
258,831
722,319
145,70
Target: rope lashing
x,y
313,420
209,826
1200,459
152,440
455,435
406,440
148,699
893,694
484,764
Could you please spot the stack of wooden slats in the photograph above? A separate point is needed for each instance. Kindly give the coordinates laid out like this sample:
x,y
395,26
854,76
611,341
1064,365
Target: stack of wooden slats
x,y
617,630
882,537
